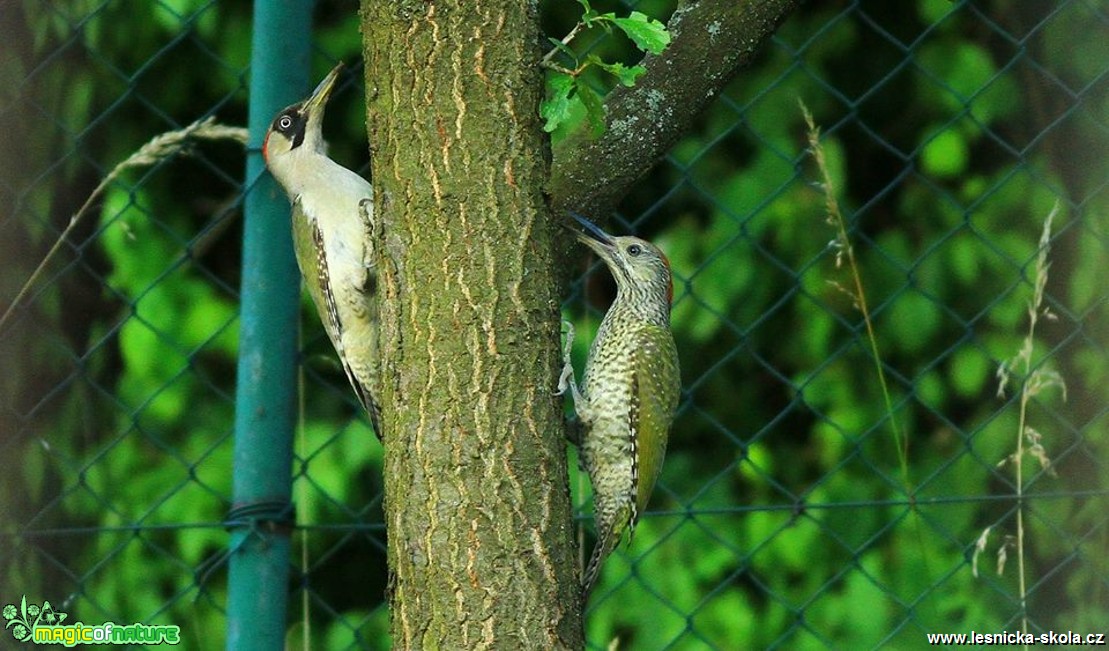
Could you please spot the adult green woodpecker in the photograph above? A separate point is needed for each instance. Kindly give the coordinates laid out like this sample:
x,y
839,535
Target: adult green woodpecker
x,y
332,215
629,390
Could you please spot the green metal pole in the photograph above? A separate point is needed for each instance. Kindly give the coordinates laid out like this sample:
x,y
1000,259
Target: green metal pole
x,y
265,408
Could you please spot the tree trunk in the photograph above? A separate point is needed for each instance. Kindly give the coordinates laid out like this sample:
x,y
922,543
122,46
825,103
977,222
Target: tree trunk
x,y
477,503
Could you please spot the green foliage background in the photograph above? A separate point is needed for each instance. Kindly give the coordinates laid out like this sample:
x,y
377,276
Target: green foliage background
x,y
784,518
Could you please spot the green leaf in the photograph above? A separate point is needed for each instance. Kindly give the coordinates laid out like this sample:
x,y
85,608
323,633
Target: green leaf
x,y
593,108
604,21
592,18
564,48
647,33
933,11
946,155
914,320
627,75
969,371
556,108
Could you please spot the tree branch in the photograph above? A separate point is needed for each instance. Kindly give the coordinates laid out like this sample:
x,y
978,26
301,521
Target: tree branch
x,y
712,40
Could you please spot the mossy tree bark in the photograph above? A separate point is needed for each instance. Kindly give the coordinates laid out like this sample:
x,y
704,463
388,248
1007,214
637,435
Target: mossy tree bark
x,y
481,551
478,508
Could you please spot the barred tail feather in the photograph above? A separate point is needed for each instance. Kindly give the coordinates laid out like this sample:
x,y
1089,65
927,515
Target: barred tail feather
x,y
375,416
366,399
592,571
605,544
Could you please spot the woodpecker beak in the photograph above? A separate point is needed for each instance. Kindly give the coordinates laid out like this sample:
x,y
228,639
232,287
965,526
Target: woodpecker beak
x,y
319,97
593,237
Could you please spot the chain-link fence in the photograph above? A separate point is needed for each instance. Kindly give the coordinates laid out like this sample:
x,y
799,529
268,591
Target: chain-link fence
x,y
896,430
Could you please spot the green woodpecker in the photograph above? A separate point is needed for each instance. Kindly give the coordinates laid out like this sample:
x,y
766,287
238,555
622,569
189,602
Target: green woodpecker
x,y
629,391
332,213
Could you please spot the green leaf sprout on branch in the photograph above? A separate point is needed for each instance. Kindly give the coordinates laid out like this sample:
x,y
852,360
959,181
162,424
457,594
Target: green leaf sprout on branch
x,y
567,90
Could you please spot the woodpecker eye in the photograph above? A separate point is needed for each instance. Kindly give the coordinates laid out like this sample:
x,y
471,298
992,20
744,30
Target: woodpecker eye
x,y
635,249
284,122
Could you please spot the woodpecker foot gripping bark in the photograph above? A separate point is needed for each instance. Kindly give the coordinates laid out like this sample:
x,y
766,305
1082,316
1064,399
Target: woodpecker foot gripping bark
x,y
366,214
566,380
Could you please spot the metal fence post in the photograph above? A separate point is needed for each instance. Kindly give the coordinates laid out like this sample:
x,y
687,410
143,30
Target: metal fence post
x,y
265,408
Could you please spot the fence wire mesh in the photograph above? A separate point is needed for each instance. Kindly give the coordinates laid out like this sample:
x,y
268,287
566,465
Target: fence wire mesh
x,y
788,515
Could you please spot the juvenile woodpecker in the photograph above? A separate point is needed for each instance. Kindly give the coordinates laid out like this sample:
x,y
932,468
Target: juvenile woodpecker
x,y
629,391
332,213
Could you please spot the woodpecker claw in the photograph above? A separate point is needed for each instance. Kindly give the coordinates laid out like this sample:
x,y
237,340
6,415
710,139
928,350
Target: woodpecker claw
x,y
566,379
365,213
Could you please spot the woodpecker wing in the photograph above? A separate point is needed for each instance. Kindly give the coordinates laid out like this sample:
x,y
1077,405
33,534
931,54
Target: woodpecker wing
x,y
656,384
309,258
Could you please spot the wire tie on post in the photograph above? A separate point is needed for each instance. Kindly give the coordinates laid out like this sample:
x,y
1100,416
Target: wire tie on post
x,y
263,517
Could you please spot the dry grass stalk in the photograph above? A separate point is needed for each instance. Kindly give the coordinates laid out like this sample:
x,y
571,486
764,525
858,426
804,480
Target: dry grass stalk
x,y
1034,380
844,252
159,148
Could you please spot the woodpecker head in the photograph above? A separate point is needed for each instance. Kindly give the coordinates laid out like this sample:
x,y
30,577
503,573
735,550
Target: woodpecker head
x,y
641,270
296,133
